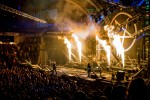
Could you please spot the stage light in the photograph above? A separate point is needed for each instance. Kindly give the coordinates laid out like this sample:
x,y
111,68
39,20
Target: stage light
x,y
91,17
121,29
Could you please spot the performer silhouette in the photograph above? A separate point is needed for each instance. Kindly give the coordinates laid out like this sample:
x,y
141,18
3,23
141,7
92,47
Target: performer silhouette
x,y
89,70
54,68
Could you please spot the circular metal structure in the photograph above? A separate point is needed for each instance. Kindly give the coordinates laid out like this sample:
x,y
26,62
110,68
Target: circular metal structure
x,y
125,30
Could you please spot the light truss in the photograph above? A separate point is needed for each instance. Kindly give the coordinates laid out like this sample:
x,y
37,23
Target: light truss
x,y
112,3
142,30
11,10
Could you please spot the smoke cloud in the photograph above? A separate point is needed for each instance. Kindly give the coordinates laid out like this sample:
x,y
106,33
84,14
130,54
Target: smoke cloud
x,y
66,13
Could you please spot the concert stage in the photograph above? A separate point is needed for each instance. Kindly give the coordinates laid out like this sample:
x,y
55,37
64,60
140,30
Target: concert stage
x,y
110,76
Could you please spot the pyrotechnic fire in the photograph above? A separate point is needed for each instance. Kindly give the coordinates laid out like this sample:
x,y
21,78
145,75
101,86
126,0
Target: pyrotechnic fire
x,y
109,30
67,42
119,47
79,46
106,48
116,42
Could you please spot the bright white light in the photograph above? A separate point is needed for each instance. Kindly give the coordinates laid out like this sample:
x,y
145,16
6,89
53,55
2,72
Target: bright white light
x,y
79,46
119,47
116,42
66,41
106,48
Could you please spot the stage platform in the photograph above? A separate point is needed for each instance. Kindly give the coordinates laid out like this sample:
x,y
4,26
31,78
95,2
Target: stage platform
x,y
105,76
109,75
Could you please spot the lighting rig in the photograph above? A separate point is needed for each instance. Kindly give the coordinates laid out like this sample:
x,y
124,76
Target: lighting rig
x,y
136,19
112,3
11,10
141,13
109,7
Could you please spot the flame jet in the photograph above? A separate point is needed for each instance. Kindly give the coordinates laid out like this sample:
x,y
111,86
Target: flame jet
x,y
67,42
119,47
78,46
106,48
116,42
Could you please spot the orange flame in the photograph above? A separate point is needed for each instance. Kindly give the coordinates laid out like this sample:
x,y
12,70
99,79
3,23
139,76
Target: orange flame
x,y
66,41
79,46
106,48
119,47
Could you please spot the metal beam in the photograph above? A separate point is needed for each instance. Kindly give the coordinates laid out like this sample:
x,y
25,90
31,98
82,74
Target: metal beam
x,y
11,10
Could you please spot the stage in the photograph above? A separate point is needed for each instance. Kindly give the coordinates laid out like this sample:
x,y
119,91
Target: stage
x,y
109,75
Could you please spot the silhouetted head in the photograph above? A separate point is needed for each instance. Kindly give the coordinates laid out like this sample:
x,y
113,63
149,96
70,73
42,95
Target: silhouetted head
x,y
137,90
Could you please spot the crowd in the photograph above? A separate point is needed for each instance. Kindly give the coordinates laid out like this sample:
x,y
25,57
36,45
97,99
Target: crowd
x,y
20,82
29,48
25,83
9,55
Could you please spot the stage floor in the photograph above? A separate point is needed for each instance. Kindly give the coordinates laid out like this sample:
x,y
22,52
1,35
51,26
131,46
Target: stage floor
x,y
82,73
